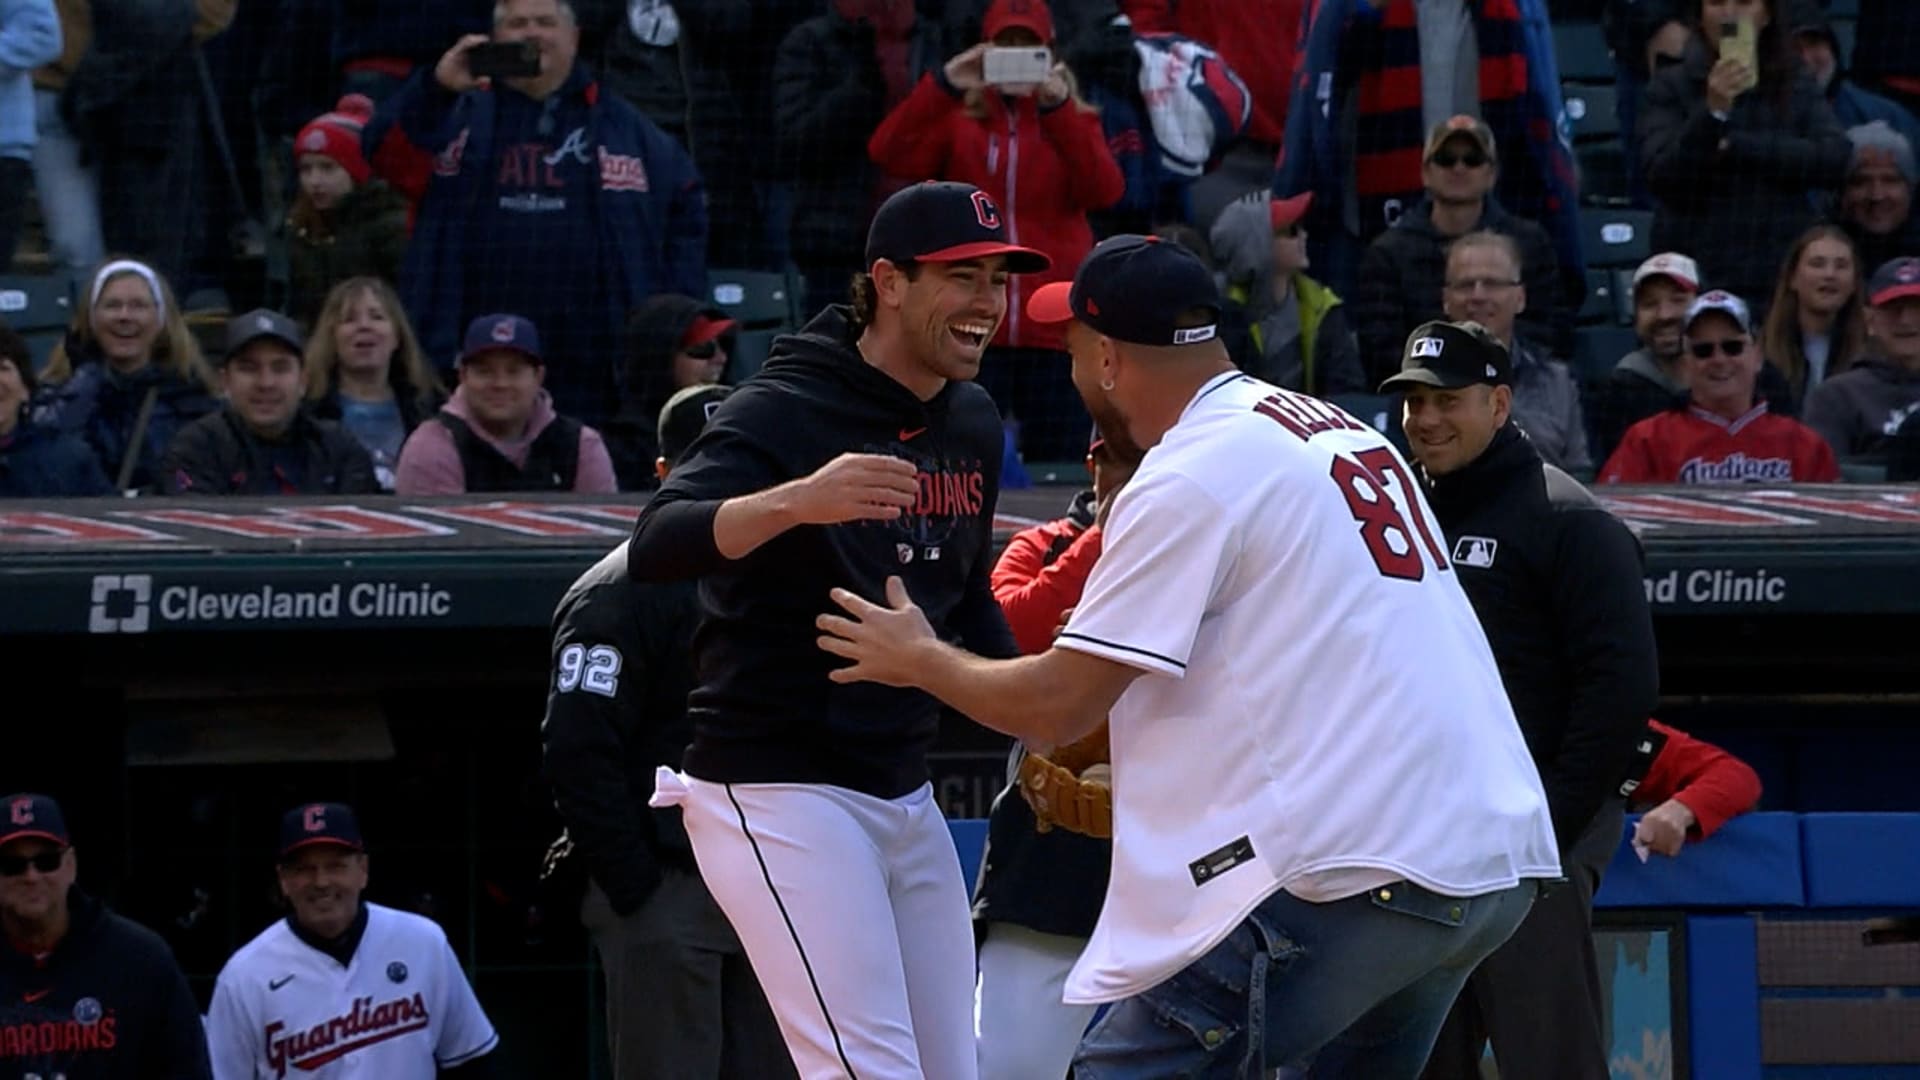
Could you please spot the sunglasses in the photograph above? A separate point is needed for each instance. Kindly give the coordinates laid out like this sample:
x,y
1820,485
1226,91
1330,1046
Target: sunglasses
x,y
706,350
1703,349
1471,159
46,862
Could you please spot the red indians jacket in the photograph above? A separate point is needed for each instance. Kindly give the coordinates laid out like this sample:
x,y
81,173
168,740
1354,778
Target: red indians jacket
x,y
1692,446
1712,783
1046,168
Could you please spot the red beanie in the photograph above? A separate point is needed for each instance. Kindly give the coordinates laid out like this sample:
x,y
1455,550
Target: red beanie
x,y
337,135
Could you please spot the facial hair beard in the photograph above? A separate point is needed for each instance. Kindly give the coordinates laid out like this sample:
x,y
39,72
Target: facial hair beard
x,y
1112,426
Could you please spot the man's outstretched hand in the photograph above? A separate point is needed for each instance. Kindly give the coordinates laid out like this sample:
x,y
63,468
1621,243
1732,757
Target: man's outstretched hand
x,y
887,644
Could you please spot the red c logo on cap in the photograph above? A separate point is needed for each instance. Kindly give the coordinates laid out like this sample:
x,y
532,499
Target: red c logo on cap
x,y
22,811
984,210
314,818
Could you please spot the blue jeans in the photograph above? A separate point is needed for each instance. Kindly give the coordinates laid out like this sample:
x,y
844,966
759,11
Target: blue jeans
x,y
1357,987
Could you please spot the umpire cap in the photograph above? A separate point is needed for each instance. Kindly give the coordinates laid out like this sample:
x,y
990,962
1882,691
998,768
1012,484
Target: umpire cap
x,y
1451,355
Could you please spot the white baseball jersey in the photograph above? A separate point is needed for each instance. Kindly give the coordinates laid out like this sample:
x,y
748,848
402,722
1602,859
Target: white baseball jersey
x,y
401,1010
1320,711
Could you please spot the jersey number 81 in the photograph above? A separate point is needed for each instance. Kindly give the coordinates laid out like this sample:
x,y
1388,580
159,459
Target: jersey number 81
x,y
1364,479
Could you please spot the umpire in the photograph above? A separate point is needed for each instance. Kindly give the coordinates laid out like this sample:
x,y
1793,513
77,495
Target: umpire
x,y
1557,583
682,1002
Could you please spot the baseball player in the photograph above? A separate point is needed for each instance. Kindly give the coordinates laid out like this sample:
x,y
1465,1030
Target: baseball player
x,y
1324,814
342,987
682,1001
85,994
860,450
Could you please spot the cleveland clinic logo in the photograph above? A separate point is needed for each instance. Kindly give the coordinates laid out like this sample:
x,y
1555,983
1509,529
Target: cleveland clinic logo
x,y
121,604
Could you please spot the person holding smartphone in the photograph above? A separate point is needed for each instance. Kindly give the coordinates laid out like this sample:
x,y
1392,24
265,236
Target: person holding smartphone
x,y
1005,116
1733,140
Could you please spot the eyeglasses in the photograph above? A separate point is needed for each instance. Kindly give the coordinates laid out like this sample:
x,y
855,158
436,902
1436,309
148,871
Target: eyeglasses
x,y
706,350
1472,159
1469,286
46,862
1702,350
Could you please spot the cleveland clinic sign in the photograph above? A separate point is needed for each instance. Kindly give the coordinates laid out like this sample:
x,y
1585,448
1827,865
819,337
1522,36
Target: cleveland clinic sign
x,y
134,603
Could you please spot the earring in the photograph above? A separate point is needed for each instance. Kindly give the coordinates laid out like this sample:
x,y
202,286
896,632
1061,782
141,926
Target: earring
x,y
1107,385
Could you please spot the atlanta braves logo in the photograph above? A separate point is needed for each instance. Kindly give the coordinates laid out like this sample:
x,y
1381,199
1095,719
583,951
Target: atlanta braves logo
x,y
984,209
330,1040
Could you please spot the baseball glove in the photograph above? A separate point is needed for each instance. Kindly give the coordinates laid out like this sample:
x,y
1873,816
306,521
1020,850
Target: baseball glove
x,y
1071,787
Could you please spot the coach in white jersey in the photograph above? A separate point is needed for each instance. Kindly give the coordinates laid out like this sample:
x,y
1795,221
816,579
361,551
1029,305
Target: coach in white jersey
x,y
1324,812
343,988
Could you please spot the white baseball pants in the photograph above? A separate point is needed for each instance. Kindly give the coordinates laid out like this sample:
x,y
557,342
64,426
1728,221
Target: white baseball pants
x,y
854,916
1022,1029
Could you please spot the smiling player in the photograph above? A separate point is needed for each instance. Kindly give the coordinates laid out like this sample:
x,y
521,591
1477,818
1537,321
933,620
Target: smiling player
x,y
861,450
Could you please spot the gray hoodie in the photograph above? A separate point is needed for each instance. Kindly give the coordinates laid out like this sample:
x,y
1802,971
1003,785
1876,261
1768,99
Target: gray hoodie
x,y
1546,405
1860,410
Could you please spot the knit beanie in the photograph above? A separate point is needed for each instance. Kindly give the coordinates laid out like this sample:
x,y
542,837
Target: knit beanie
x,y
337,135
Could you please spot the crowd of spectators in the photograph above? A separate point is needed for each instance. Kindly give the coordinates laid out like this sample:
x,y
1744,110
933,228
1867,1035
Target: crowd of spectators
x,y
1351,168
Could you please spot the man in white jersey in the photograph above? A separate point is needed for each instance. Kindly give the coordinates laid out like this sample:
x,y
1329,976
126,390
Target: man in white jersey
x,y
342,987
1324,812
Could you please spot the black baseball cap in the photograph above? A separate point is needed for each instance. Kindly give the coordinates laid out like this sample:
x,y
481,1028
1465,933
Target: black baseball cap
x,y
244,330
685,416
29,816
1134,288
1895,280
1452,355
945,221
319,823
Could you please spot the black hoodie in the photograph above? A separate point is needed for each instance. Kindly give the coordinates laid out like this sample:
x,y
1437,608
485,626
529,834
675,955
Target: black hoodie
x,y
108,1003
763,709
654,333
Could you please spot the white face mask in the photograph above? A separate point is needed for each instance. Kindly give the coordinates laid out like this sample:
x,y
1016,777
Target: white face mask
x,y
653,22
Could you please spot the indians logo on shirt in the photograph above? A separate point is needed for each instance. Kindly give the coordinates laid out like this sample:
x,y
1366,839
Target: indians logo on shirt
x,y
1736,468
330,1040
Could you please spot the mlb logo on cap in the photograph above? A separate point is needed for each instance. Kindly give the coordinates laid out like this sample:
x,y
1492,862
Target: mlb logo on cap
x,y
1428,346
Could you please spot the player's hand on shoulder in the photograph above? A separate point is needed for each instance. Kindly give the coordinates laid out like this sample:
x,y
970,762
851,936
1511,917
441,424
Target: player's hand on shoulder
x,y
855,487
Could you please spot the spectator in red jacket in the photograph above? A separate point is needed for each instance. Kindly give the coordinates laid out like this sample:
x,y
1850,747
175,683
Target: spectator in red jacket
x,y
1692,788
1723,433
1039,151
1044,569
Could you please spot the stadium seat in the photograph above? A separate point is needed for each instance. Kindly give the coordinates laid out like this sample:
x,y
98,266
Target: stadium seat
x,y
1603,172
1601,306
761,302
1623,295
1593,110
1598,349
1616,237
1581,49
38,308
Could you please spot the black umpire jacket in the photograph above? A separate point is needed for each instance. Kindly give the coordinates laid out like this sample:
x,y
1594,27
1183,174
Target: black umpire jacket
x,y
1558,584
617,709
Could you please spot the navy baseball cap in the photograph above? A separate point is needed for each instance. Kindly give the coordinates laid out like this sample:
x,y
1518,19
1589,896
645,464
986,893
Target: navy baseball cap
x,y
258,324
1895,280
26,815
945,221
1134,288
685,416
319,823
513,332
1451,355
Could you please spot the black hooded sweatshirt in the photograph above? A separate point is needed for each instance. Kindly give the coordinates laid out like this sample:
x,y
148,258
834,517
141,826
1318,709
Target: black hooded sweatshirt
x,y
763,709
108,1003
654,333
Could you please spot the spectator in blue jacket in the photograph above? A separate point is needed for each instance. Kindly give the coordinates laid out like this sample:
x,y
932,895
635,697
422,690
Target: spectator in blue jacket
x,y
1853,104
36,460
29,37
549,198
128,376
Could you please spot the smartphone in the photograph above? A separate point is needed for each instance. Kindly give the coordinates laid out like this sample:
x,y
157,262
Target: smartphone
x,y
1740,41
504,60
1003,66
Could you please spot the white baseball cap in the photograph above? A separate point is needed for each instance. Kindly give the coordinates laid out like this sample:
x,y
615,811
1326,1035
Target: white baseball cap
x,y
1670,264
1723,302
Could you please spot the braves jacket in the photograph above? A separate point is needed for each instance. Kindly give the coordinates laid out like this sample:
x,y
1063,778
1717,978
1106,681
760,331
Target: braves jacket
x,y
109,1003
616,709
763,709
1557,583
1047,167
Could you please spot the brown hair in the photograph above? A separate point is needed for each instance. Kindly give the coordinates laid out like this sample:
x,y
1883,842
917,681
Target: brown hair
x,y
1488,238
1780,338
407,370
175,347
864,295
